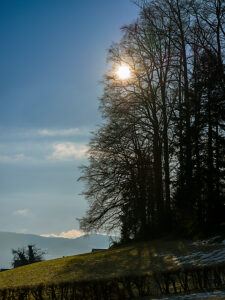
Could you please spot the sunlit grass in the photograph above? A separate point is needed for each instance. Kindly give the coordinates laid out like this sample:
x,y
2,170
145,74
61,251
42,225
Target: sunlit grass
x,y
136,259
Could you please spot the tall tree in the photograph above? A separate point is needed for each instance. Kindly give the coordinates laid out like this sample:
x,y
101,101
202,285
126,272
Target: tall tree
x,y
157,162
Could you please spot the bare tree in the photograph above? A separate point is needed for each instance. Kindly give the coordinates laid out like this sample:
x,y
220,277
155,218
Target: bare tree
x,y
23,256
157,162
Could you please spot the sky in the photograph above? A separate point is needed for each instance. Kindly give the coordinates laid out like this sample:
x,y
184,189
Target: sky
x,y
52,59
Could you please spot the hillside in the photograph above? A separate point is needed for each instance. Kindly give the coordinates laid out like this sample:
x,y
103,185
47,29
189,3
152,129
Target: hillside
x,y
55,247
134,259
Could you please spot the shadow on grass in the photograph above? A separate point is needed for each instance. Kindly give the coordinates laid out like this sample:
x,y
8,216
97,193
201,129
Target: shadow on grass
x,y
142,258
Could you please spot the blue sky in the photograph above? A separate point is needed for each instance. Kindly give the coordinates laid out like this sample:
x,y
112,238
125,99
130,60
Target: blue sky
x,y
52,57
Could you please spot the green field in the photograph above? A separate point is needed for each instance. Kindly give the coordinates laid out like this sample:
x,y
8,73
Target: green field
x,y
136,259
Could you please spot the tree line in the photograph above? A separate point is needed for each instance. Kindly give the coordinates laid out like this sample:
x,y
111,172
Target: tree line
x,y
157,161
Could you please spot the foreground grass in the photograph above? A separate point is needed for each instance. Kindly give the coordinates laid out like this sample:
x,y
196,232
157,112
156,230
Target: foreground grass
x,y
140,258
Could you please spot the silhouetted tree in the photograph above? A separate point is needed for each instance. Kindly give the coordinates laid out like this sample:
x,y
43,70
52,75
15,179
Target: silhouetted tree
x,y
23,256
208,136
157,162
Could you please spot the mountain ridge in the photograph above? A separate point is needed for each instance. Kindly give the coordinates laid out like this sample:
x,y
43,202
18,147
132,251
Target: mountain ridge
x,y
55,247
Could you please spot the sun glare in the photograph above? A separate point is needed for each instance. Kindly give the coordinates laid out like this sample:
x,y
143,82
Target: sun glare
x,y
123,72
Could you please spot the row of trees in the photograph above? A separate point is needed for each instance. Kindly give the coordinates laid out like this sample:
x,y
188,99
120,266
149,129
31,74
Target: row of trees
x,y
158,160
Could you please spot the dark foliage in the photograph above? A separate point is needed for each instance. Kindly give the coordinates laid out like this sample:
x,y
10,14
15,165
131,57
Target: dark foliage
x,y
157,163
23,256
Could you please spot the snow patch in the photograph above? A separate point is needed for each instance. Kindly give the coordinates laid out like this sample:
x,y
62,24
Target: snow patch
x,y
206,242
201,259
202,253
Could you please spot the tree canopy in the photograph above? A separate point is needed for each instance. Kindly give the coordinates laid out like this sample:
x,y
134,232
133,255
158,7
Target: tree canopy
x,y
157,163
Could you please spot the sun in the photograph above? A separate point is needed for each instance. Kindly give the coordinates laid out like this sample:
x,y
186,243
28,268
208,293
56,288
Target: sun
x,y
123,72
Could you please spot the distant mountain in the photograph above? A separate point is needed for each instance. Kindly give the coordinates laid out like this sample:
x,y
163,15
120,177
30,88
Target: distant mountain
x,y
55,247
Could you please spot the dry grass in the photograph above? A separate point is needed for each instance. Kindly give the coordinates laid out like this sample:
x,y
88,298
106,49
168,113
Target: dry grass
x,y
134,259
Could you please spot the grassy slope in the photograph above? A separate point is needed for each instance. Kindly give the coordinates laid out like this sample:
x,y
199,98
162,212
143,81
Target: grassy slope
x,y
134,259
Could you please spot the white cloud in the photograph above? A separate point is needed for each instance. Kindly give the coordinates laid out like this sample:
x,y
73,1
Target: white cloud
x,y
19,146
21,212
71,234
18,133
20,157
59,132
68,151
